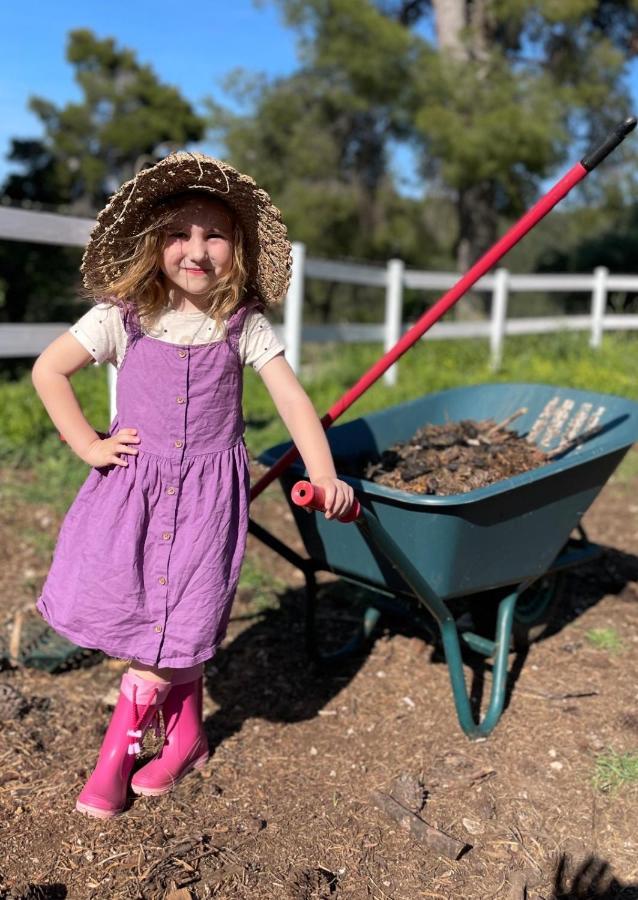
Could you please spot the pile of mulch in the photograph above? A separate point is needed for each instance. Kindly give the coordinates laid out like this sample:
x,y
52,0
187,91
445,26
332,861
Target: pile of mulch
x,y
455,458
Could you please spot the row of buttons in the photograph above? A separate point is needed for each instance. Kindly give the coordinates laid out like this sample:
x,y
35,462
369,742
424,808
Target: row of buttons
x,y
183,355
171,491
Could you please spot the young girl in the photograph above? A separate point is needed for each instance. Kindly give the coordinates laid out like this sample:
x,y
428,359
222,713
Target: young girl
x,y
180,262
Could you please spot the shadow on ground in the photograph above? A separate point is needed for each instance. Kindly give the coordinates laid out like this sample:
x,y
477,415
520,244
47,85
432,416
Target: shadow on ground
x,y
591,880
268,674
615,573
36,892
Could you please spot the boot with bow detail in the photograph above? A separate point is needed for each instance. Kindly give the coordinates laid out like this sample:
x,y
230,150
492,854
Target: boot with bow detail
x,y
104,794
185,743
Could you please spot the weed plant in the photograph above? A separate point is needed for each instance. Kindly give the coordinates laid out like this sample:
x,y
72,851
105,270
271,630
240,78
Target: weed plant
x,y
606,639
615,770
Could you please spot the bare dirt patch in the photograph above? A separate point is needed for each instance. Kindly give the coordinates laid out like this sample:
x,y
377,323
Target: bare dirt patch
x,y
286,807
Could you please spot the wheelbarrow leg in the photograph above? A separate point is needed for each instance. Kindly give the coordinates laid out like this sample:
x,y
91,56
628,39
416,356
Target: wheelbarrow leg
x,y
499,649
309,570
356,642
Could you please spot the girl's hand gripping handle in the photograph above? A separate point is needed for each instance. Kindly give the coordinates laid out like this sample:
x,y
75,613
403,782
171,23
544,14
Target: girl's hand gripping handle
x,y
311,496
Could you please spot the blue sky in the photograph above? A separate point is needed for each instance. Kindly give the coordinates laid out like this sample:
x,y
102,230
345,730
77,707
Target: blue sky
x,y
192,46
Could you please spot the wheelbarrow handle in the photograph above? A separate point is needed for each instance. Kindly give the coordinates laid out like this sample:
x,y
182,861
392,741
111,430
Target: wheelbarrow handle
x,y
311,496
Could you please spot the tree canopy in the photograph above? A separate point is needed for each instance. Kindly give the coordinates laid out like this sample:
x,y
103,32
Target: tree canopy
x,y
126,116
480,100
487,94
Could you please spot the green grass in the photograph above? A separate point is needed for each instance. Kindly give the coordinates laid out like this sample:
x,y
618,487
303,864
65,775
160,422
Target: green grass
x,y
627,471
27,434
55,479
29,440
615,770
263,585
562,359
606,639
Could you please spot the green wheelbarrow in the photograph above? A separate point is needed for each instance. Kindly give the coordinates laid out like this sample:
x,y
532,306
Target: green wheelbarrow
x,y
510,541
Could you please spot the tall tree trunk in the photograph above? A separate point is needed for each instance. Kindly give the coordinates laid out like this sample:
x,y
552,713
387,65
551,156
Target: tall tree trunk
x,y
450,18
478,223
478,220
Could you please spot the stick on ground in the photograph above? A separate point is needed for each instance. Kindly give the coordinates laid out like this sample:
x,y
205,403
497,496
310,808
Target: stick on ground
x,y
437,840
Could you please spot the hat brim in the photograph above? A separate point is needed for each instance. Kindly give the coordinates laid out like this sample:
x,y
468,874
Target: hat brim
x,y
128,213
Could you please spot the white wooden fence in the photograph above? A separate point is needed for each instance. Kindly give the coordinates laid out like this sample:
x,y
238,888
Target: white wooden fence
x,y
29,339
394,278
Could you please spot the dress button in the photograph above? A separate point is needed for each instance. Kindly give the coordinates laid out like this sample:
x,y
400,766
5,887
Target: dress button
x,y
167,535
170,490
162,580
158,629
180,400
179,443
182,353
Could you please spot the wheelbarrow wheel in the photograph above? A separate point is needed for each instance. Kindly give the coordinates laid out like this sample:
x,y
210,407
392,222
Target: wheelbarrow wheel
x,y
536,610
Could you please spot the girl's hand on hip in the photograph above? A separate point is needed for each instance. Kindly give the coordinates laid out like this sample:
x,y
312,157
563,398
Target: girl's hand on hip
x,y
339,496
105,452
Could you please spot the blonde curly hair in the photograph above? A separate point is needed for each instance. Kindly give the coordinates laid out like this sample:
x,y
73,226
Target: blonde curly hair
x,y
140,280
267,251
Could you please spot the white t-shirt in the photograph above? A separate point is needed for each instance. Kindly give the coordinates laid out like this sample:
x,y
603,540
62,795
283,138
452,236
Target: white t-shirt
x,y
102,334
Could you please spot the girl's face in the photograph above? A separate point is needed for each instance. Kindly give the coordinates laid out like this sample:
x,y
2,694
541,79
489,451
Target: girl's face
x,y
199,246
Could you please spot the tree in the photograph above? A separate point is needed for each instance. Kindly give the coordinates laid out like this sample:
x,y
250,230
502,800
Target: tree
x,y
510,87
126,117
319,142
491,92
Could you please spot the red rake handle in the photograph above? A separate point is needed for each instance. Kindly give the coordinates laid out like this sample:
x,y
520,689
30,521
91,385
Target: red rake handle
x,y
311,496
462,286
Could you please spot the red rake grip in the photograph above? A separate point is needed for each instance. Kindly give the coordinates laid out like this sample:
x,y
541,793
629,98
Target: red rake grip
x,y
311,496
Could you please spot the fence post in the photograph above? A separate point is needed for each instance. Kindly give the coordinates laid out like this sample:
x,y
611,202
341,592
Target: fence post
x,y
111,379
499,317
393,312
293,307
598,304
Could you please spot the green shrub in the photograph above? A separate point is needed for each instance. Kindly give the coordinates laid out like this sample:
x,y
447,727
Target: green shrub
x,y
27,435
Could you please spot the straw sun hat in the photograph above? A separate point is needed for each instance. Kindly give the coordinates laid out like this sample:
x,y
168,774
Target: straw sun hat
x,y
267,250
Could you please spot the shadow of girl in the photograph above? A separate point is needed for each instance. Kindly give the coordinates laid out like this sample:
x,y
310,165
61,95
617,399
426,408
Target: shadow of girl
x,y
592,880
266,673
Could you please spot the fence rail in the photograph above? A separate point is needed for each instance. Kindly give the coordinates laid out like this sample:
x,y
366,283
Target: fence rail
x,y
26,339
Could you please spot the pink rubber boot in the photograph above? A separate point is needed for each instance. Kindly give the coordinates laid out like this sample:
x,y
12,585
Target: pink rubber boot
x,y
104,794
185,744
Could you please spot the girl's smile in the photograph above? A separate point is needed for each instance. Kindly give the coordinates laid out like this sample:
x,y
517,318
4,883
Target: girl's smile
x,y
198,249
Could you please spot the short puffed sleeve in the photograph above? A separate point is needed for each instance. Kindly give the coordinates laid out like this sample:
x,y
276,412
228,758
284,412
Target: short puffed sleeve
x,y
258,342
101,333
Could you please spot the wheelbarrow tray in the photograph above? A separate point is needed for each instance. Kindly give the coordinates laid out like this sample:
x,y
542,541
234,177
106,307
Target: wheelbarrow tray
x,y
498,535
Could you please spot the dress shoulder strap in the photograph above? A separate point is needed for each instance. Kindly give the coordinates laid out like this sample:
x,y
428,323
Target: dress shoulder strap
x,y
130,319
236,322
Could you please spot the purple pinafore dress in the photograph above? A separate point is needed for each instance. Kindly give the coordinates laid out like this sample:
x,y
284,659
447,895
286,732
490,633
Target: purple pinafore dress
x,y
148,556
